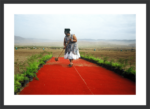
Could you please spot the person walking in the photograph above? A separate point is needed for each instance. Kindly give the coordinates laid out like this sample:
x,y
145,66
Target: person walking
x,y
71,50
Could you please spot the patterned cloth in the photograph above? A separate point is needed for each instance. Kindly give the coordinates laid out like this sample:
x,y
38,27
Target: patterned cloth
x,y
71,51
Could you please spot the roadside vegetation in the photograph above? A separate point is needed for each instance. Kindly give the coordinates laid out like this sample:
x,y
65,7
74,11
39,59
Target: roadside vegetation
x,y
29,72
120,64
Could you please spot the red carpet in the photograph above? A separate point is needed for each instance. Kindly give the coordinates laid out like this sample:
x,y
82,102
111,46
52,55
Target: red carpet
x,y
84,78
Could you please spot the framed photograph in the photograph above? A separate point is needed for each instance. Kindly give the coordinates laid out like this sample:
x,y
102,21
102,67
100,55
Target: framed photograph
x,y
63,55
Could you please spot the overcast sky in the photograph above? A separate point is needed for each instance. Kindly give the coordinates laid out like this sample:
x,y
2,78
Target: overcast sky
x,y
88,26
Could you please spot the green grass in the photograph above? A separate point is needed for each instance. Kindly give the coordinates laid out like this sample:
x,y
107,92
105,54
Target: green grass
x,y
21,66
31,70
118,65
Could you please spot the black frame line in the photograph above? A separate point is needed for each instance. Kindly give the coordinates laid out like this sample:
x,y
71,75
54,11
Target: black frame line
x,y
147,2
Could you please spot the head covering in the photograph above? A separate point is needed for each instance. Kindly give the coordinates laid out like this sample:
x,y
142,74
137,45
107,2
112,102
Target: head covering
x,y
67,30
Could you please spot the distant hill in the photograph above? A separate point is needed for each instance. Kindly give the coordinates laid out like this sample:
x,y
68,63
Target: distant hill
x,y
106,40
19,40
81,42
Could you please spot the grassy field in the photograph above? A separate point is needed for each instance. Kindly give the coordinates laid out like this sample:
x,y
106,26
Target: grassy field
x,y
22,55
113,54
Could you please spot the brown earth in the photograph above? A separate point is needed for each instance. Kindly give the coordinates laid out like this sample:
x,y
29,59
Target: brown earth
x,y
112,54
22,55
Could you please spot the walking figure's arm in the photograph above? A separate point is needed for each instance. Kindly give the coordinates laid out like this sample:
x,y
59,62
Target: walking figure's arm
x,y
74,39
